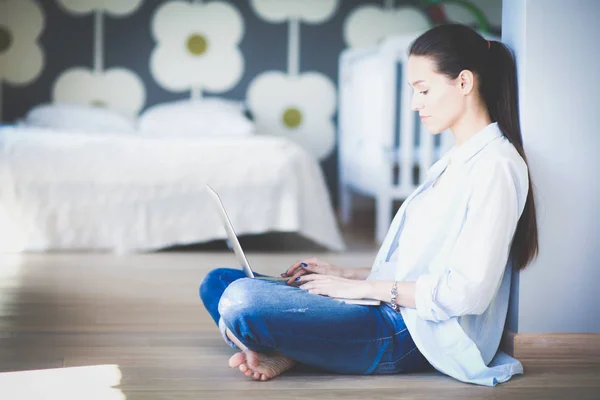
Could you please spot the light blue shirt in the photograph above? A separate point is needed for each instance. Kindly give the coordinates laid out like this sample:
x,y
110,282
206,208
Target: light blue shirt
x,y
453,239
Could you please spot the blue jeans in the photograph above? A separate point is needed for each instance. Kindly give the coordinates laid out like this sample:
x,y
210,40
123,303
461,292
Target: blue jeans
x,y
314,330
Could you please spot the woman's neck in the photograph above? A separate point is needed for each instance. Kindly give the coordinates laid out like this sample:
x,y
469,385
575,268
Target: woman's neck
x,y
470,124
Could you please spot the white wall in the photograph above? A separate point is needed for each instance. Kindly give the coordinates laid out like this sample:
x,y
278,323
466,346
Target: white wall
x,y
558,61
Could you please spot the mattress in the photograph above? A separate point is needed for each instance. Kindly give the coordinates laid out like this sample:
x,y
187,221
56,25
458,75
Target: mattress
x,y
128,193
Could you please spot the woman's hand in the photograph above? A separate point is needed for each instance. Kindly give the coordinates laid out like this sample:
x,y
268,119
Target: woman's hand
x,y
311,266
335,287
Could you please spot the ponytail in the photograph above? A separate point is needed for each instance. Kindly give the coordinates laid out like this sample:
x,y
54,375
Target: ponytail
x,y
500,89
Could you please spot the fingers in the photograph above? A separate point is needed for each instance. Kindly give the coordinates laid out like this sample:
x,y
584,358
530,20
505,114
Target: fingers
x,y
314,277
316,284
290,271
299,265
295,277
317,287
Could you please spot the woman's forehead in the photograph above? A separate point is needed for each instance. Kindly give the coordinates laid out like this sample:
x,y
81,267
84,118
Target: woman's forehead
x,y
420,69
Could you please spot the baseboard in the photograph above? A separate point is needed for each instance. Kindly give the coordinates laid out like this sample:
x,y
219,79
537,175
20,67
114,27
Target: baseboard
x,y
507,343
555,346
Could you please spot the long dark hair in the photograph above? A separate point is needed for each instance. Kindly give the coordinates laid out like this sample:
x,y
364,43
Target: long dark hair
x,y
455,48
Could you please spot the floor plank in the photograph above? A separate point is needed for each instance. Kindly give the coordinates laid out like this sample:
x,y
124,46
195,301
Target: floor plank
x,y
142,315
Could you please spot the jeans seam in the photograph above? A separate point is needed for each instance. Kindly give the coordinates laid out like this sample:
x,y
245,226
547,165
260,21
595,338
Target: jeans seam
x,y
397,360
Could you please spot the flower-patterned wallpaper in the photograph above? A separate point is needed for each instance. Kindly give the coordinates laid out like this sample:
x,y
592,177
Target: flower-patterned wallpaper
x,y
280,56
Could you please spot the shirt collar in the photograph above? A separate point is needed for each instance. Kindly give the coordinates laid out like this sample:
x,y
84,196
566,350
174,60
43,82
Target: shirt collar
x,y
463,153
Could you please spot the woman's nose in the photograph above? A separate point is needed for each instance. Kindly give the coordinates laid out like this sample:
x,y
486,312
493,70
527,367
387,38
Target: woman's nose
x,y
415,105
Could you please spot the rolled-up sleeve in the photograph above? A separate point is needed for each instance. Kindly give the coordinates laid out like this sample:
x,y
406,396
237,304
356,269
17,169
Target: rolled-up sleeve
x,y
479,257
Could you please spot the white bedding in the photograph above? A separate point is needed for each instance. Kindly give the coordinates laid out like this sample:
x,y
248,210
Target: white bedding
x,y
62,190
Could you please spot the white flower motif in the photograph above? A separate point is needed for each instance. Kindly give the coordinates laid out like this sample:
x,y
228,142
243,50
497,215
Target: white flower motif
x,y
114,7
197,46
310,11
298,107
117,88
463,14
21,57
367,25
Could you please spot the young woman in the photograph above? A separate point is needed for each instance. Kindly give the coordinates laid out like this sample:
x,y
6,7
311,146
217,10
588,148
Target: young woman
x,y
443,273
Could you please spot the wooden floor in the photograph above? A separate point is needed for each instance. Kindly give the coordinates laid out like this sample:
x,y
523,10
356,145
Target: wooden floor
x,y
136,322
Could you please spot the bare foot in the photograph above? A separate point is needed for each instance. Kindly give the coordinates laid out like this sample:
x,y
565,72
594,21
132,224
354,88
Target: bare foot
x,y
261,366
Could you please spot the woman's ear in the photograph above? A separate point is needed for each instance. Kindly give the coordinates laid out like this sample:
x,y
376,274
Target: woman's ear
x,y
467,81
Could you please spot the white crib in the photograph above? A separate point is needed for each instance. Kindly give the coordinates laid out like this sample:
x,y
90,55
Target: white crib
x,y
384,150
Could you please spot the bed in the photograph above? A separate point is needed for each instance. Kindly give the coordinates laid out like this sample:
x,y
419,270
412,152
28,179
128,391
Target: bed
x,y
66,190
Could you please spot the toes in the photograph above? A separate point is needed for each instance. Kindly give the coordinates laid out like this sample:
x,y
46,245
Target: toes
x,y
263,377
257,375
243,367
248,373
237,359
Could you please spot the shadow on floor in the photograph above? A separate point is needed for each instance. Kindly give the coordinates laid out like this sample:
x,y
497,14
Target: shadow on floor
x,y
274,242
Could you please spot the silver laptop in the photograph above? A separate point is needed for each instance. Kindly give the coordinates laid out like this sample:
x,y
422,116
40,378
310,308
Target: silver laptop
x,y
234,243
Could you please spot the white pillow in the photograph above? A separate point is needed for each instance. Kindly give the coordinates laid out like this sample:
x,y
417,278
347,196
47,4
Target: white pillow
x,y
78,118
193,118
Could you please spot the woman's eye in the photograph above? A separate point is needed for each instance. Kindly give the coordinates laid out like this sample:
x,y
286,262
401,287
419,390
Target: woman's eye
x,y
424,92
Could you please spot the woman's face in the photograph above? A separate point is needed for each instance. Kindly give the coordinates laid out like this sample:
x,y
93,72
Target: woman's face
x,y
439,100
